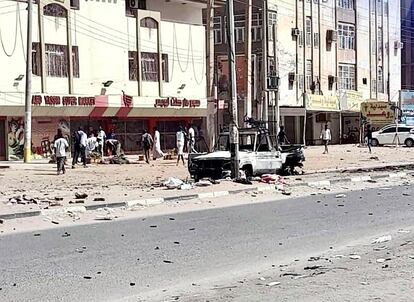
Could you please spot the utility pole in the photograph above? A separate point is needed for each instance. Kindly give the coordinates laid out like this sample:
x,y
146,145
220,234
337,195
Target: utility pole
x,y
265,103
276,114
248,54
212,105
234,132
28,89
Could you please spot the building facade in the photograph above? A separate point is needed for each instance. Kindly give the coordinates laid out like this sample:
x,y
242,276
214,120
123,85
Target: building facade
x,y
122,65
331,56
407,57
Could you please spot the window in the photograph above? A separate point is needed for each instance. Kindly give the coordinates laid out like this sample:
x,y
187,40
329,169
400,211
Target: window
x,y
316,40
380,42
256,27
149,66
309,74
346,34
57,64
308,37
390,130
148,23
272,19
347,77
74,4
380,80
346,4
239,28
218,36
54,10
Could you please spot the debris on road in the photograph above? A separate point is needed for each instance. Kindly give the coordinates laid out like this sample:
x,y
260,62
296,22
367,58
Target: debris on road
x,y
173,183
382,239
354,257
168,261
340,196
273,283
81,195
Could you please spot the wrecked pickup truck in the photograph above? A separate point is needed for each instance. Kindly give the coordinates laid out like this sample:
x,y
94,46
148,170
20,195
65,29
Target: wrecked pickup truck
x,y
257,156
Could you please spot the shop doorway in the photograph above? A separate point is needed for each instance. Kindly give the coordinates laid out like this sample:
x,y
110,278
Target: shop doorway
x,y
2,139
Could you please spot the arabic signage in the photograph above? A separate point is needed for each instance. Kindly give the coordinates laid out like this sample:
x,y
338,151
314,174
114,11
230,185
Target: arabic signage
x,y
377,112
55,100
407,107
176,102
322,102
351,100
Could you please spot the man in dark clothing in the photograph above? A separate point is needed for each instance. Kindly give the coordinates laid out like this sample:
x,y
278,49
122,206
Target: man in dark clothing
x,y
368,136
147,143
282,137
79,147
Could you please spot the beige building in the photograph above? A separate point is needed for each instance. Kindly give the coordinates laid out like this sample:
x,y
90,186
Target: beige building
x,y
332,55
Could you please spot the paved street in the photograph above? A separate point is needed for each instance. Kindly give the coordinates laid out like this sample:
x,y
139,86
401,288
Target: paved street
x,y
164,258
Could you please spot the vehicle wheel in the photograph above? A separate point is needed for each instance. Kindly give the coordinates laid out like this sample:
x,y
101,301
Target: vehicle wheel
x,y
374,142
409,142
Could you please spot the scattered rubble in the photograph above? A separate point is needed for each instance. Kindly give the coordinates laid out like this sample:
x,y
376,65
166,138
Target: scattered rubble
x,y
382,239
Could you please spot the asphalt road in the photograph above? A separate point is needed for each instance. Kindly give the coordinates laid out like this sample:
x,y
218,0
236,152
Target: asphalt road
x,y
155,258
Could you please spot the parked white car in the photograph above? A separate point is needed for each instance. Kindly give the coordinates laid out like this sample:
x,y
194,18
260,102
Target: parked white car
x,y
388,135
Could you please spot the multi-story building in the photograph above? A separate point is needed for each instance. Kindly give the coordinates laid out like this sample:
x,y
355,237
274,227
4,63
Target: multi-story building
x,y
332,55
123,65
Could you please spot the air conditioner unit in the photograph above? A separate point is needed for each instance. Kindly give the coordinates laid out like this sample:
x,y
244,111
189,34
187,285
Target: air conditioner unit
x,y
398,45
332,35
292,77
295,32
133,4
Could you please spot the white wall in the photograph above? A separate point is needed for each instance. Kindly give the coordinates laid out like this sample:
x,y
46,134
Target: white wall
x,y
104,35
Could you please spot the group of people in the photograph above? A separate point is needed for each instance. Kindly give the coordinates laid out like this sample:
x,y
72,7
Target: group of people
x,y
184,139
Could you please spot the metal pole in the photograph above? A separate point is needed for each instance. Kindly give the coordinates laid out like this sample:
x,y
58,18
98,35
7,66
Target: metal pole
x,y
28,89
276,114
265,103
211,107
248,53
234,134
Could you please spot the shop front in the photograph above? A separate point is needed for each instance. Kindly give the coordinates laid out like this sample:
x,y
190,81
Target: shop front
x,y
320,111
293,118
3,140
122,116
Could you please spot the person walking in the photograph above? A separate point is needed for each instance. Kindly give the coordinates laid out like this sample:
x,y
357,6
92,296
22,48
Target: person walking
x,y
282,137
101,137
80,147
191,140
180,144
60,145
147,143
368,137
326,138
156,151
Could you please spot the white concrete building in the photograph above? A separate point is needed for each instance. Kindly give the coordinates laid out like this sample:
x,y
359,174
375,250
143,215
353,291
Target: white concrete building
x,y
96,62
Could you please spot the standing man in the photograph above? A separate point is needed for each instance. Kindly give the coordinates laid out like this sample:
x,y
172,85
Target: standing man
x,y
282,137
60,145
147,143
156,151
180,144
101,141
368,136
326,138
80,147
191,140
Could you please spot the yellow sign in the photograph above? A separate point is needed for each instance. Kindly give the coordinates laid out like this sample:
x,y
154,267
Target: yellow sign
x,y
353,101
321,102
377,112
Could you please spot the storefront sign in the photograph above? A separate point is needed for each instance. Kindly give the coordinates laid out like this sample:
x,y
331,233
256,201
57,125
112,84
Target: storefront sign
x,y
322,103
176,102
351,101
54,100
407,107
377,112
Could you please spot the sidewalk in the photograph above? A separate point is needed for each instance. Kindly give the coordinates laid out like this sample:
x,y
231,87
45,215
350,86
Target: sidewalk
x,y
139,181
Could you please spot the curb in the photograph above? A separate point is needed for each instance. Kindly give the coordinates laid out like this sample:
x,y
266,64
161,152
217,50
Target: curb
x,y
157,201
358,169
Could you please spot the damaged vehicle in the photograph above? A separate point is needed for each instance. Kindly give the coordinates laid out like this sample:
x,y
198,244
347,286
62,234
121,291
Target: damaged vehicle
x,y
257,156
